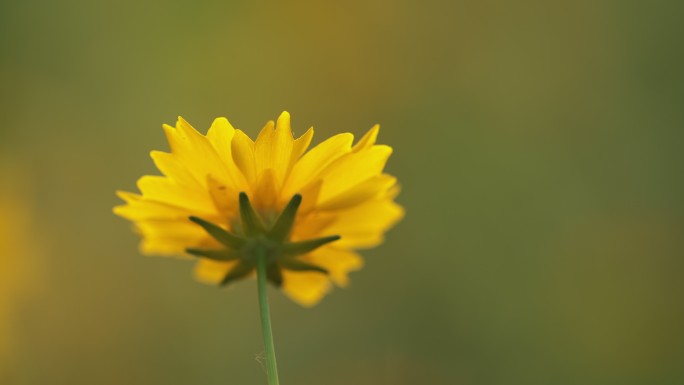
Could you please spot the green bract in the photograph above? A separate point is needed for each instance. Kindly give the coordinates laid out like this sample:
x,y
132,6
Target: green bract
x,y
259,242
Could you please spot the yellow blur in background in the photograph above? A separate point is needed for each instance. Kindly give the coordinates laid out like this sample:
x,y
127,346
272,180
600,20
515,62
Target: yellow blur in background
x,y
20,275
538,146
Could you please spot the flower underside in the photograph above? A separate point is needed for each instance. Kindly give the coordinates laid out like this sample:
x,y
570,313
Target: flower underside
x,y
259,242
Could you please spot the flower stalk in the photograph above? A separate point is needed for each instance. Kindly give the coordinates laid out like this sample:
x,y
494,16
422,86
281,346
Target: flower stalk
x,y
265,312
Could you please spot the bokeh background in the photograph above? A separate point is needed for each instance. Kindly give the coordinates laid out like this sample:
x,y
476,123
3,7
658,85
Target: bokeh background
x,y
539,145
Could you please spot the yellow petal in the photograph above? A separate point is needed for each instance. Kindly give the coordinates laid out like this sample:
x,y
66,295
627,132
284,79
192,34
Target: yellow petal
x,y
163,228
367,140
128,197
265,194
313,162
339,263
170,166
305,288
311,226
161,189
393,192
243,156
369,189
300,145
142,209
192,150
170,238
310,195
363,225
224,197
352,169
273,149
220,136
212,272
164,247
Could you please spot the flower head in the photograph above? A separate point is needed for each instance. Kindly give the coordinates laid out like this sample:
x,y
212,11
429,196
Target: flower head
x,y
224,198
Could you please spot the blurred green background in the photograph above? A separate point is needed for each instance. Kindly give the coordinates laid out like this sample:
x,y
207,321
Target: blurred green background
x,y
539,145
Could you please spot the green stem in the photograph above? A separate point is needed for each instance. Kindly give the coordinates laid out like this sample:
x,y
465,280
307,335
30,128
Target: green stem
x,y
271,367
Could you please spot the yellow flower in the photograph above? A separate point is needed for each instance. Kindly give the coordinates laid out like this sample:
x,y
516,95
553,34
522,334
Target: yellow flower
x,y
337,194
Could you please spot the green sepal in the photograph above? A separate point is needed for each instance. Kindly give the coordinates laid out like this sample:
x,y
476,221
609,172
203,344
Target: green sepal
x,y
241,270
298,265
274,275
251,224
281,229
220,234
297,248
216,255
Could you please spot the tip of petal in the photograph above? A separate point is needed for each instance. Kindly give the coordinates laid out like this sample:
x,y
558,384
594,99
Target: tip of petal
x,y
221,121
211,272
124,209
266,133
284,116
185,127
128,196
117,210
368,139
283,123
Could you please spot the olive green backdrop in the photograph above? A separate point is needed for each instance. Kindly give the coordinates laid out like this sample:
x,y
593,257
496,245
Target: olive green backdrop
x,y
539,146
